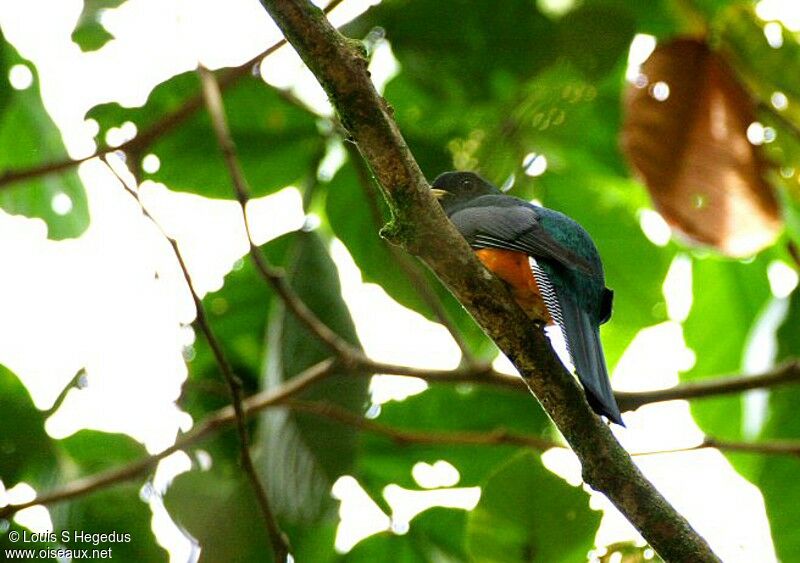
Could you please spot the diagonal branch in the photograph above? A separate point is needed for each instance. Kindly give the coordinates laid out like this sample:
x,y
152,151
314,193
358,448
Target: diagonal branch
x,y
420,225
402,437
283,395
278,539
270,274
210,425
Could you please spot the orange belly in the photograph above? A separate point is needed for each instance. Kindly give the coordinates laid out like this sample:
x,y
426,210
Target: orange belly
x,y
513,268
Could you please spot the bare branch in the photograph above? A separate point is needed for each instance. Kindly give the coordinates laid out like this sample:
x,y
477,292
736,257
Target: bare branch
x,y
214,422
279,541
270,274
785,373
420,225
497,437
776,447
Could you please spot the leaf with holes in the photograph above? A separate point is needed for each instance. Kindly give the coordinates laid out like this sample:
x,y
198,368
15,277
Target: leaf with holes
x,y
117,509
28,139
528,514
776,475
686,134
89,34
277,142
26,451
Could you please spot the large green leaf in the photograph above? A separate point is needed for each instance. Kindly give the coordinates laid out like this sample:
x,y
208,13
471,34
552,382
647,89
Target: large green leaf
x,y
219,510
238,315
303,455
446,408
727,297
277,143
435,536
117,509
26,452
777,474
596,38
89,33
29,138
471,56
528,514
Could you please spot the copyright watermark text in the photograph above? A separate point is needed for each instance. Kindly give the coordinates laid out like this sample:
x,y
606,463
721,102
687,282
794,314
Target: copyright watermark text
x,y
63,544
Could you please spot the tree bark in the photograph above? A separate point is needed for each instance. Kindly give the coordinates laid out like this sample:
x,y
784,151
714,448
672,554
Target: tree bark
x,y
420,226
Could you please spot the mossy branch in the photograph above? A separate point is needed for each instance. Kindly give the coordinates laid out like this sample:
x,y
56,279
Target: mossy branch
x,y
420,226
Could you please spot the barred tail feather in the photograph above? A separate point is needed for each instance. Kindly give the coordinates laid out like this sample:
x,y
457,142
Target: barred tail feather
x,y
583,345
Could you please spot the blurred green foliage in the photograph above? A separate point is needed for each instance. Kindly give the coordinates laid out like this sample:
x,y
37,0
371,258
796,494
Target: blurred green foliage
x,y
479,87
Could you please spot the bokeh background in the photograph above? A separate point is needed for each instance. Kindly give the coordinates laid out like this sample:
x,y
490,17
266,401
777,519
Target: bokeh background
x,y
669,129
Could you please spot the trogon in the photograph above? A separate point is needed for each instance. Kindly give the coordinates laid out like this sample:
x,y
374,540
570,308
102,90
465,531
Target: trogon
x,y
550,264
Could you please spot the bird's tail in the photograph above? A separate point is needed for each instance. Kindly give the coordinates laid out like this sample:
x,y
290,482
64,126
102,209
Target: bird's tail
x,y
583,343
584,347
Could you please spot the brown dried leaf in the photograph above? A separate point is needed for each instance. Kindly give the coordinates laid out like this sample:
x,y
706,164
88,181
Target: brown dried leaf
x,y
691,149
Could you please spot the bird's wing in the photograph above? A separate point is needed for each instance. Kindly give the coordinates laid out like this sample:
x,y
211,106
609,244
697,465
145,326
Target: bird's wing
x,y
583,344
515,228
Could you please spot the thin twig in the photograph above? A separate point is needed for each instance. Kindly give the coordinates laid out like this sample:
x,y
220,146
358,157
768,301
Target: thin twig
x,y
292,387
211,424
776,447
497,437
270,274
783,374
156,130
788,372
280,544
74,383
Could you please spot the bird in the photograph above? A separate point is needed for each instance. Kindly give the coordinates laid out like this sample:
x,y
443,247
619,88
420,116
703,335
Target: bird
x,y
550,264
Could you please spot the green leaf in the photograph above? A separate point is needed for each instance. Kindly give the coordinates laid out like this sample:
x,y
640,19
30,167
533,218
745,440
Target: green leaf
x,y
238,315
116,509
386,547
528,514
26,452
435,536
303,455
95,451
219,510
277,143
447,408
741,33
727,298
777,474
89,33
596,38
471,56
29,138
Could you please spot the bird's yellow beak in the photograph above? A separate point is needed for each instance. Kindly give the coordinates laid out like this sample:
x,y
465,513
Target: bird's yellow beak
x,y
439,194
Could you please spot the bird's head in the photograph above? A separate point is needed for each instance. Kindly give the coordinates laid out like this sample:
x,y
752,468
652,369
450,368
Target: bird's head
x,y
453,188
